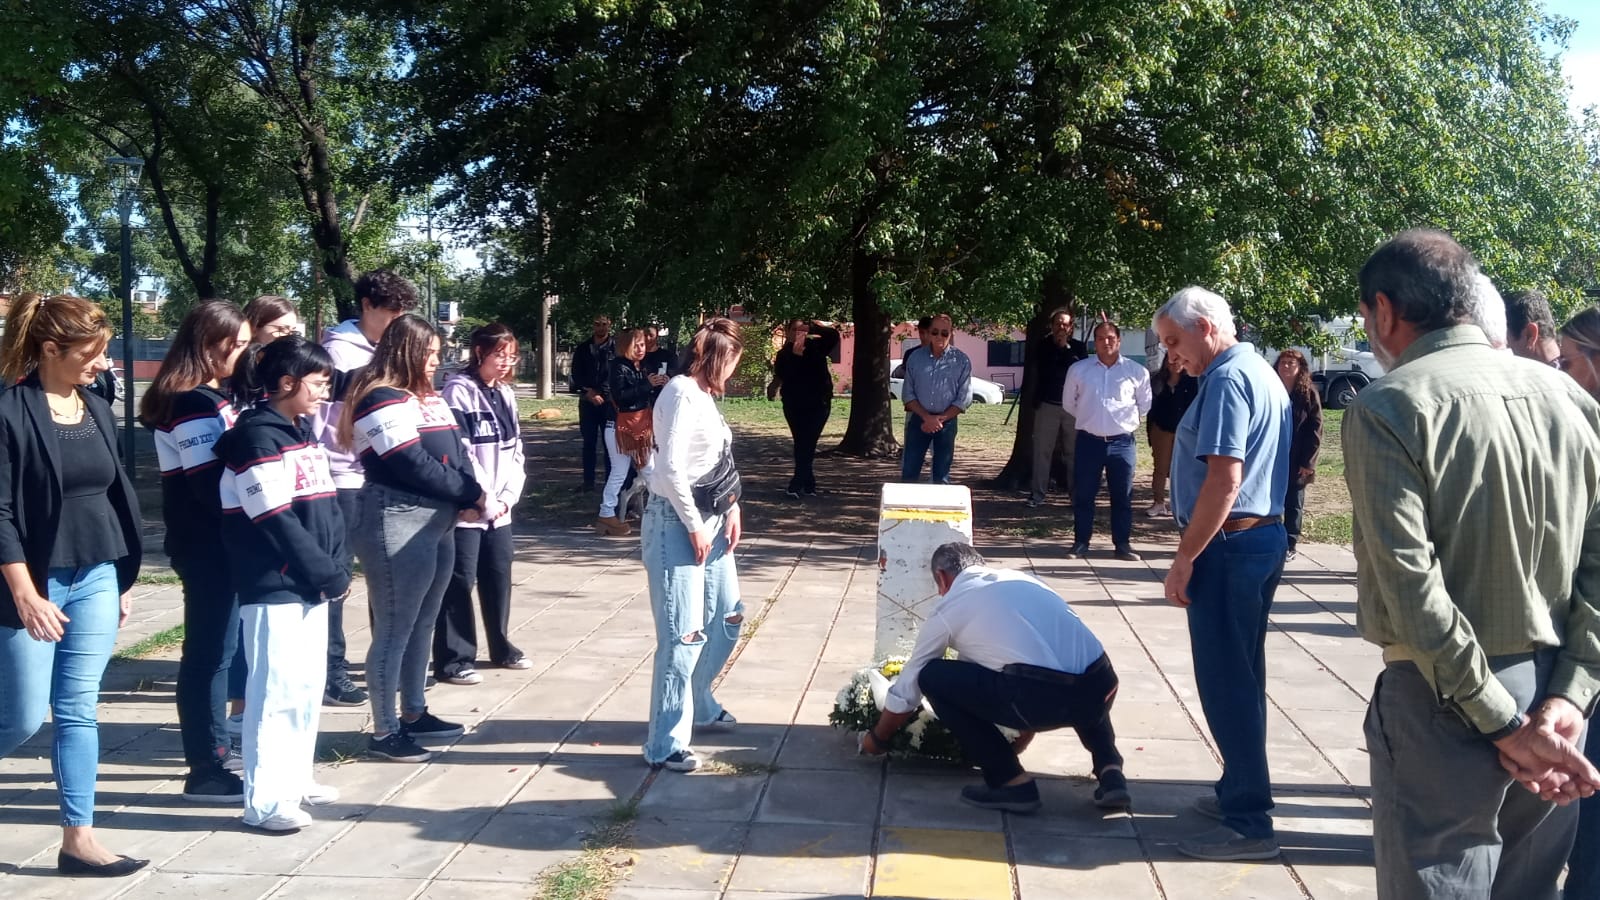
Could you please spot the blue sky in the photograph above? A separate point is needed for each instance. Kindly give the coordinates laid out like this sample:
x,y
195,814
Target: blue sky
x,y
1582,58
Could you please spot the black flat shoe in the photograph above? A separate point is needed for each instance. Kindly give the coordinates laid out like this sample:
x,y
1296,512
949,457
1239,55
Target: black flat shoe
x,y
73,867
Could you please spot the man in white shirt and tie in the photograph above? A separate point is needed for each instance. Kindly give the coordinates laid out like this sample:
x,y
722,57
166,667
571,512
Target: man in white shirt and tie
x,y
1027,662
1107,394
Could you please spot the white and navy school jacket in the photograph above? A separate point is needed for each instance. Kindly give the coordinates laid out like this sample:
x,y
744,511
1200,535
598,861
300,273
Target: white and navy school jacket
x,y
190,471
412,444
487,418
280,512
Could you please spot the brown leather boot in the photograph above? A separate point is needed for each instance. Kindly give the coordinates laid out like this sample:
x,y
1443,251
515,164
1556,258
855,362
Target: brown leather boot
x,y
612,526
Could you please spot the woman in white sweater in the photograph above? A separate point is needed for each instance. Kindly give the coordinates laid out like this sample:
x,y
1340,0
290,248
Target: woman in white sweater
x,y
690,530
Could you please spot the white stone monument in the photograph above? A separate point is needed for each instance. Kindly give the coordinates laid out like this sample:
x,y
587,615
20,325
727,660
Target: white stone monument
x,y
913,520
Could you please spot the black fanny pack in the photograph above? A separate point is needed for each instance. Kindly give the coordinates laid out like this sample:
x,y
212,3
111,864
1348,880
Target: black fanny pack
x,y
718,490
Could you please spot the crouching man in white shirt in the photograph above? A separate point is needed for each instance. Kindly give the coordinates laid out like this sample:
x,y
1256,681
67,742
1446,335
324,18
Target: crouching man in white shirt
x,y
1027,662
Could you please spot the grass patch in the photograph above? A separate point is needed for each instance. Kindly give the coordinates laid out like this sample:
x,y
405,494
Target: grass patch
x,y
603,863
339,748
722,768
157,578
156,643
1327,528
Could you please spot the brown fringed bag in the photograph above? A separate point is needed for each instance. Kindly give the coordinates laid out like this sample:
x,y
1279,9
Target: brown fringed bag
x,y
636,435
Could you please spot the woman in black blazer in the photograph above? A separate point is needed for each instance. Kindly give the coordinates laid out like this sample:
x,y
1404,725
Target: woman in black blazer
x,y
69,550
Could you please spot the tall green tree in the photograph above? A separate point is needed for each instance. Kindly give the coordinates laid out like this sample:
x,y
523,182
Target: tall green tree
x,y
996,160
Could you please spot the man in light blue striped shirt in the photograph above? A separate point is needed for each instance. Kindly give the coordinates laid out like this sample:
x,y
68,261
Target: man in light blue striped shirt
x,y
937,389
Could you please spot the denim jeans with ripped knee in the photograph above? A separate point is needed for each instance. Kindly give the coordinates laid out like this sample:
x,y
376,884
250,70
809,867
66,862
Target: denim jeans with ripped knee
x,y
698,615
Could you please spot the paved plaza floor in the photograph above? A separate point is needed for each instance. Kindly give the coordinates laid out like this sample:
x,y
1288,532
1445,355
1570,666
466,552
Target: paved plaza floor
x,y
786,809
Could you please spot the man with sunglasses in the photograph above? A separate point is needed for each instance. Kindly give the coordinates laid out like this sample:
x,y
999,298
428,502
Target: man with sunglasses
x,y
937,389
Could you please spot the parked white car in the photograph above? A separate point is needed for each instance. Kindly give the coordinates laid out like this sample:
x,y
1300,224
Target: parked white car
x,y
983,390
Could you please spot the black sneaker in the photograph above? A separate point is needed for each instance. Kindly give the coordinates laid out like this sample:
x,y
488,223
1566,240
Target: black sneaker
x,y
682,761
1113,791
809,492
1020,798
213,785
791,493
1081,551
397,747
429,727
341,691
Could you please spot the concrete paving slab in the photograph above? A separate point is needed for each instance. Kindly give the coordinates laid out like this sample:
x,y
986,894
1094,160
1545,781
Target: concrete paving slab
x,y
934,801
683,854
942,865
325,887
399,842
180,885
554,750
827,859
822,798
1084,867
574,789
516,848
707,797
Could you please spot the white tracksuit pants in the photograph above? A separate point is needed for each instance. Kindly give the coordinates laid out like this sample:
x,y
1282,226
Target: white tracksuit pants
x,y
286,647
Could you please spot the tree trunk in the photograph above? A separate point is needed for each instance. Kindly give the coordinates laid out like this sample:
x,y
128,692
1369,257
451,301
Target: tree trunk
x,y
1017,473
870,432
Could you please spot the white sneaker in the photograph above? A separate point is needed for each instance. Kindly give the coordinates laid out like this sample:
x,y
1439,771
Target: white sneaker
x,y
1158,509
293,820
321,794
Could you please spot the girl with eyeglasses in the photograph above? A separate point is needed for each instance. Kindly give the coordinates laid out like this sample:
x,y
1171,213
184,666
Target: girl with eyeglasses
x,y
187,410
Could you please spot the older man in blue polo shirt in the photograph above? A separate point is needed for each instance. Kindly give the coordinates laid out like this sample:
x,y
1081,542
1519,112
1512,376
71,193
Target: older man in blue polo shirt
x,y
1230,466
937,389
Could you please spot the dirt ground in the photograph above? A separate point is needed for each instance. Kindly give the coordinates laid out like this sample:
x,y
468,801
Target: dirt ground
x,y
850,485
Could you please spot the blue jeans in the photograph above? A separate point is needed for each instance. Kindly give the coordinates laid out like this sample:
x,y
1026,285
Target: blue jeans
x,y
210,640
698,617
1231,592
63,677
407,548
918,441
1091,455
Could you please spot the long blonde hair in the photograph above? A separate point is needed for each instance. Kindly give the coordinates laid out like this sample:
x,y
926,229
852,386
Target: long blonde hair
x,y
401,361
34,319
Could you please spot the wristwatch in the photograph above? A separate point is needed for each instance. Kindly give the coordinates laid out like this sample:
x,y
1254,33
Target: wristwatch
x,y
1517,721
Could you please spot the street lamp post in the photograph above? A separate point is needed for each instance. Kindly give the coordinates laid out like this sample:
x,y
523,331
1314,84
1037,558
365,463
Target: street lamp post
x,y
133,167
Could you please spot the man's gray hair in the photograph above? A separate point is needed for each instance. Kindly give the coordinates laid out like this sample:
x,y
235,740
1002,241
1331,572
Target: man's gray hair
x,y
1489,310
954,558
1187,307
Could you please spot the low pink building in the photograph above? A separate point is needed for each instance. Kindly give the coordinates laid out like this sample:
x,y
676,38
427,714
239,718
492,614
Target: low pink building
x,y
998,359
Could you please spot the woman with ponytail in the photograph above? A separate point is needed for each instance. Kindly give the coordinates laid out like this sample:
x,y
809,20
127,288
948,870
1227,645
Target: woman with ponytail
x,y
419,479
187,410
284,534
69,551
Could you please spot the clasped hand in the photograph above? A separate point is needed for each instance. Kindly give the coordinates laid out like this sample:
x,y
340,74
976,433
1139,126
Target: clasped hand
x,y
932,424
1544,757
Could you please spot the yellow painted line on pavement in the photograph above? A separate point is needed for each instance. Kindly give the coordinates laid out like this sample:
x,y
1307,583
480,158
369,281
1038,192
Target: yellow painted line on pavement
x,y
929,864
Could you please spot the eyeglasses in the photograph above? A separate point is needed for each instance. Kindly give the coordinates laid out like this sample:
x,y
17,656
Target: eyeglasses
x,y
935,332
1562,363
